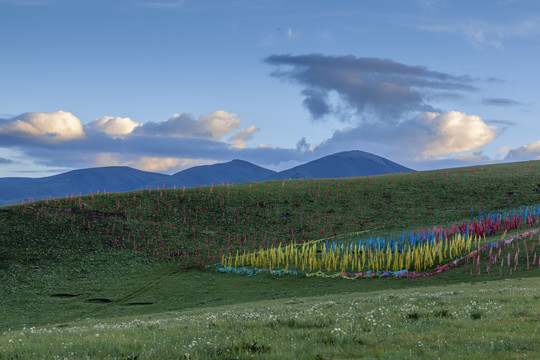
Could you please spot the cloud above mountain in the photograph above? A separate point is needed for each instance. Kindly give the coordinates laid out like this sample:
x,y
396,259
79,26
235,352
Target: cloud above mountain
x,y
366,86
527,152
387,105
211,126
47,128
240,139
60,139
427,135
113,126
454,132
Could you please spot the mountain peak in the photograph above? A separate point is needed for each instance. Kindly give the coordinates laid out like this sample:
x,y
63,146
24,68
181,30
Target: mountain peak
x,y
351,163
234,172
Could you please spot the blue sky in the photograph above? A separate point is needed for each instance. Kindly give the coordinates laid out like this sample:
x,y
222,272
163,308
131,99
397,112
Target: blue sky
x,y
166,85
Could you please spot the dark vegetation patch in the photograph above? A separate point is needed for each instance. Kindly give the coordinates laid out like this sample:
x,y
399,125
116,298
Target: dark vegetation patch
x,y
442,313
139,303
413,315
64,295
99,301
5,258
286,216
476,314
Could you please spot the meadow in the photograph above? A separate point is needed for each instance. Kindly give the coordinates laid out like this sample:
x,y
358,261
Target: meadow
x,y
430,264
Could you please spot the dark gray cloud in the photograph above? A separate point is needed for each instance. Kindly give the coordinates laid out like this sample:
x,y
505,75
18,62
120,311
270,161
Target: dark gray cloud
x,y
302,145
495,80
384,87
408,137
174,126
500,102
4,161
316,102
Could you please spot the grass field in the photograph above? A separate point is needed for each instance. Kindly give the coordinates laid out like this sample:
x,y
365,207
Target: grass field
x,y
480,320
124,275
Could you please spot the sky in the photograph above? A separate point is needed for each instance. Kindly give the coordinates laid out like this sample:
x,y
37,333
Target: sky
x,y
166,85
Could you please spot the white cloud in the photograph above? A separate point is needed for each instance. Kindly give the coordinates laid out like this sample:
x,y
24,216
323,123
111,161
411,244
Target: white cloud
x,y
242,137
455,132
292,34
475,156
210,126
218,123
157,164
149,163
478,35
113,126
169,146
427,137
530,151
481,34
47,127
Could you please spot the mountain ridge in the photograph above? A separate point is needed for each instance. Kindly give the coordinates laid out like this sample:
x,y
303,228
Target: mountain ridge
x,y
124,178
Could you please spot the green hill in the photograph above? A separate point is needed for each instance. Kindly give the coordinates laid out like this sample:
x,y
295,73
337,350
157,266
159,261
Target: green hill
x,y
70,264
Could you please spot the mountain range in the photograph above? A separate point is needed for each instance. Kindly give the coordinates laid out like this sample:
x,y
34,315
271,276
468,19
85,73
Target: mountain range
x,y
122,178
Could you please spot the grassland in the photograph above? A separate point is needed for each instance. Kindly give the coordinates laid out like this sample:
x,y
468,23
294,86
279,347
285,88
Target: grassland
x,y
123,275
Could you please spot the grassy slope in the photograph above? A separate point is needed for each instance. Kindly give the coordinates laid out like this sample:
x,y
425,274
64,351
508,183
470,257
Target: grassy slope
x,y
53,276
497,319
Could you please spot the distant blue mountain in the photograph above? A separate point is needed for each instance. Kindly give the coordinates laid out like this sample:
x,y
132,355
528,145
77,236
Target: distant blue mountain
x,y
84,181
344,164
123,178
232,172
